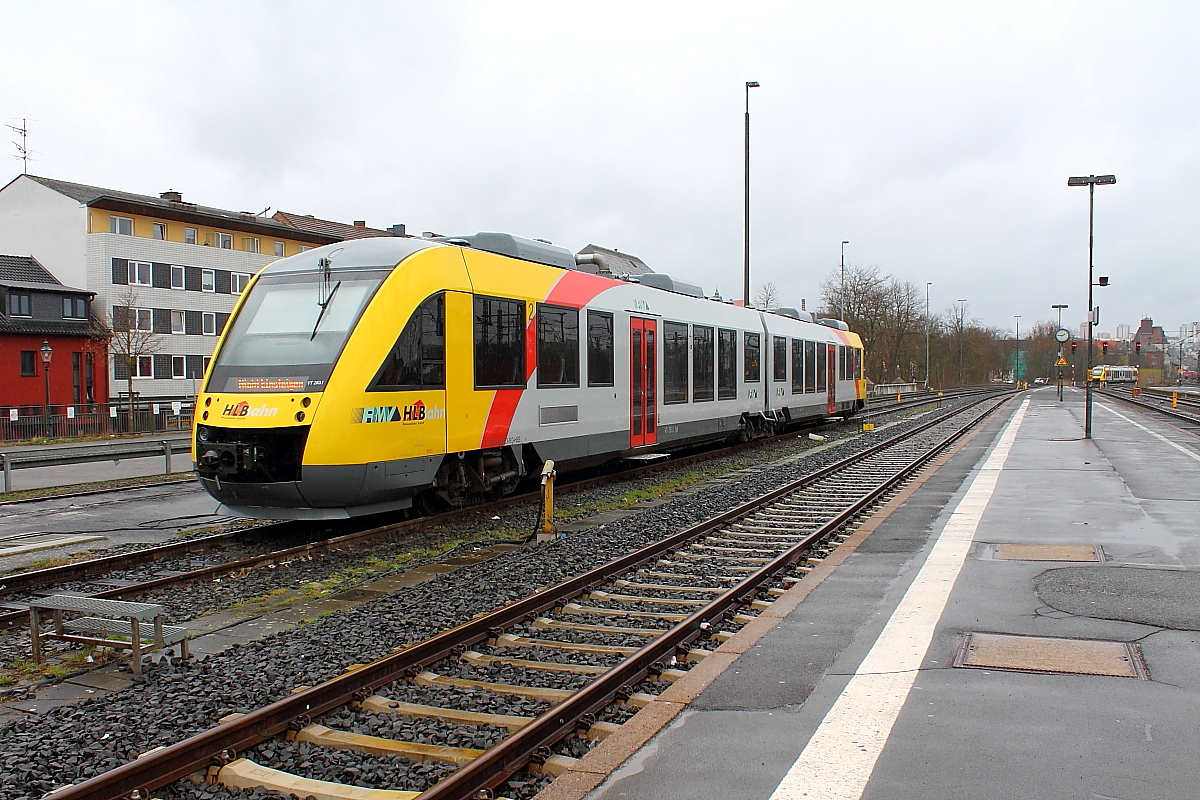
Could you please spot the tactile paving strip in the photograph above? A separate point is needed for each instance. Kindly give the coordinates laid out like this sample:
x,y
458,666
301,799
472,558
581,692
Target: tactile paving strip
x,y
1046,655
1048,552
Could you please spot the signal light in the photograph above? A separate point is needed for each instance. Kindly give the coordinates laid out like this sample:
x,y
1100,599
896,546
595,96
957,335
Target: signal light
x,y
1104,347
1137,346
1074,347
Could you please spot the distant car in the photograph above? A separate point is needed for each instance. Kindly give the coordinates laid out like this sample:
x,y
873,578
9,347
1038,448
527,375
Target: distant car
x,y
1039,381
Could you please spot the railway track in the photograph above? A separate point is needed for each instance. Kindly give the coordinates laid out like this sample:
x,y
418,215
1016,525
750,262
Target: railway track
x,y
1186,417
86,574
585,653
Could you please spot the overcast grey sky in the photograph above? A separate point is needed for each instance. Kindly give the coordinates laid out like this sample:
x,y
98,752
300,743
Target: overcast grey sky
x,y
937,138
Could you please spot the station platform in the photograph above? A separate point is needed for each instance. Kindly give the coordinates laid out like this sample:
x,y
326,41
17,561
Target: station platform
x,y
1022,623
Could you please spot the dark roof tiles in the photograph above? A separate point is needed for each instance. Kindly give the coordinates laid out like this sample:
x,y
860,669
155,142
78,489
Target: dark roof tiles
x,y
327,227
24,269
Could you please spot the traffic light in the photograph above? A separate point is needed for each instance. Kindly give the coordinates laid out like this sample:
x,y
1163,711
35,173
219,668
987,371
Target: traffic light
x,y
1074,347
1104,347
1137,346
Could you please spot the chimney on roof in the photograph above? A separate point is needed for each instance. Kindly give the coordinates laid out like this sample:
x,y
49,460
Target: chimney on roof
x,y
360,223
172,195
397,229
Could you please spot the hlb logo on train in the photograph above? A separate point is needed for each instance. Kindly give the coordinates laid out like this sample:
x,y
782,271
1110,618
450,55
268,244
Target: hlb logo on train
x,y
244,409
417,412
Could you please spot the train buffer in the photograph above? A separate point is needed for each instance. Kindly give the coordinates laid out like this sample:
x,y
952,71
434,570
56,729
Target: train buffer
x,y
112,618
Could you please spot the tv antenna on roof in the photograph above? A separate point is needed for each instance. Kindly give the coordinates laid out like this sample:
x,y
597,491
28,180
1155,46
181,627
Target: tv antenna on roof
x,y
24,154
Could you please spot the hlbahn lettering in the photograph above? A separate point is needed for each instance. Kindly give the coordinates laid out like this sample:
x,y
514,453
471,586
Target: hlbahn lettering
x,y
244,409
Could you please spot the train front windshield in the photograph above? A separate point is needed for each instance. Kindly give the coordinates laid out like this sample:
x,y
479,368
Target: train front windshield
x,y
289,332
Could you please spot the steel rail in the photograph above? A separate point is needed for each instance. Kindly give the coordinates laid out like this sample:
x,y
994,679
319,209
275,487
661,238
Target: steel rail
x,y
220,744
1191,419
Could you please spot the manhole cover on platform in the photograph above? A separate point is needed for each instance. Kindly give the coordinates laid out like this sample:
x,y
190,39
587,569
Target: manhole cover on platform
x,y
1048,552
1038,654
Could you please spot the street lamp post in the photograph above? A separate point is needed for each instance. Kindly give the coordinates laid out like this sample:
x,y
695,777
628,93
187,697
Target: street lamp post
x,y
746,289
1090,181
927,285
962,317
1060,307
1017,354
47,352
843,292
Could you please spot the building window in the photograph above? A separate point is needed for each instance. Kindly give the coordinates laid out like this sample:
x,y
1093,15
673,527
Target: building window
x,y
702,362
779,359
207,360
304,248
418,359
209,323
141,273
726,364
279,249
600,348
178,367
750,359
177,324
19,305
675,362
28,363
238,281
74,308
177,277
142,319
499,342
160,231
225,241
189,235
557,346
250,244
121,225
145,367
208,280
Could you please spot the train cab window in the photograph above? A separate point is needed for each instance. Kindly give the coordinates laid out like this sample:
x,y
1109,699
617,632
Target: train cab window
x,y
822,364
600,348
702,363
797,366
418,359
779,359
726,364
810,366
499,342
751,367
557,346
675,362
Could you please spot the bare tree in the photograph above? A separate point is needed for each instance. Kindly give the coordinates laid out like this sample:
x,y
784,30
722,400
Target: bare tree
x,y
133,339
767,296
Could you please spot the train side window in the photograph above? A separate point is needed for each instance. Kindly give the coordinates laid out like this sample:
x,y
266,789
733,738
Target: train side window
x,y
843,353
557,346
779,359
810,366
499,342
702,362
600,348
797,366
751,367
726,364
675,362
418,359
822,364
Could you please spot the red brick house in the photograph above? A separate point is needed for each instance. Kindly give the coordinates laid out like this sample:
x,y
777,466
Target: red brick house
x,y
37,310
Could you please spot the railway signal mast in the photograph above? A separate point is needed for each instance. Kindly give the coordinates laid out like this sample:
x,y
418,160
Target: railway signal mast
x,y
1090,181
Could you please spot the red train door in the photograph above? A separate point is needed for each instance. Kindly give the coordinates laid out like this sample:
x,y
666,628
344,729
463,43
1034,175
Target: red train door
x,y
831,378
643,371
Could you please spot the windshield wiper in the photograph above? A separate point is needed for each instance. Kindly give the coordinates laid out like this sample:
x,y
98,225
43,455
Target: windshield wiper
x,y
324,306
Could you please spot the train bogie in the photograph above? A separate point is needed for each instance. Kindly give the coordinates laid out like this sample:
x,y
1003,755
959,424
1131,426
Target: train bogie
x,y
364,376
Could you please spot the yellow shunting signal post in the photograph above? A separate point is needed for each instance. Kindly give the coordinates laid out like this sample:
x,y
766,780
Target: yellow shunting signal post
x,y
548,474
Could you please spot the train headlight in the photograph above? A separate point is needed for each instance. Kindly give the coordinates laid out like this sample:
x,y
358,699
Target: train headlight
x,y
203,433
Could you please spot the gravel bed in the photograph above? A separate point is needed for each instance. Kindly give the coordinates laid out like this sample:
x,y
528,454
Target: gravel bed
x,y
170,701
580,637
516,676
612,622
478,700
552,656
424,730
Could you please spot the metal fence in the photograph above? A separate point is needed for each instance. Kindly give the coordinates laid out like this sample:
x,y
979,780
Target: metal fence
x,y
24,423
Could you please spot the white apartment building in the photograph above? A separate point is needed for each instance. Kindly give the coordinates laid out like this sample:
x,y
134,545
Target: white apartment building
x,y
165,267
